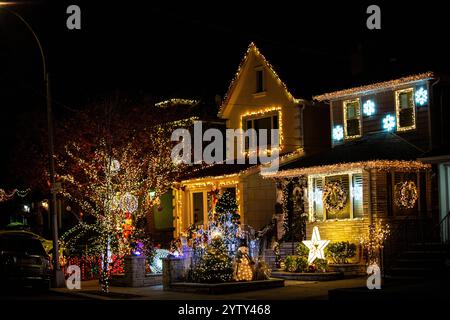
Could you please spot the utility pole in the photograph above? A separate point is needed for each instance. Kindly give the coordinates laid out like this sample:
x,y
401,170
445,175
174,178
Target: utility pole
x,y
58,280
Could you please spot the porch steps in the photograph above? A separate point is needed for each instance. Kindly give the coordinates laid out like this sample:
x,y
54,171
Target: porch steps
x,y
286,249
421,261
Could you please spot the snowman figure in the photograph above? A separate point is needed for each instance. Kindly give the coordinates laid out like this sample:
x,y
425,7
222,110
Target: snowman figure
x,y
244,264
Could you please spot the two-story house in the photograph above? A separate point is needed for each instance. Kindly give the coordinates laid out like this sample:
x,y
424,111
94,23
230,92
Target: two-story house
x,y
372,171
257,98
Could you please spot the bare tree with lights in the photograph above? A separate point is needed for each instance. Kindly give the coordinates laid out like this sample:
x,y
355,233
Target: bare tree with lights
x,y
114,167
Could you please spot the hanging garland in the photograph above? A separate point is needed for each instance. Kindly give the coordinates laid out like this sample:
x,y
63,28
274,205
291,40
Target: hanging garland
x,y
4,196
406,194
334,197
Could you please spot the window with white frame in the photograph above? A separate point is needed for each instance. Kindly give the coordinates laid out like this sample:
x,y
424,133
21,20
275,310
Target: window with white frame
x,y
336,197
352,118
268,123
202,202
405,109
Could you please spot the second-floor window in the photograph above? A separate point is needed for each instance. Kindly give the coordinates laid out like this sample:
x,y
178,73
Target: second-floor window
x,y
352,118
405,109
266,123
259,81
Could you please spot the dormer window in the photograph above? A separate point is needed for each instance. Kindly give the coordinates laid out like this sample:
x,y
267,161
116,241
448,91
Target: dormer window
x,y
259,80
352,119
405,109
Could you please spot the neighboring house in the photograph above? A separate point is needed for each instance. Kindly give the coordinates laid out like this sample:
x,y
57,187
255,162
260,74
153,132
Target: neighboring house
x,y
257,98
371,172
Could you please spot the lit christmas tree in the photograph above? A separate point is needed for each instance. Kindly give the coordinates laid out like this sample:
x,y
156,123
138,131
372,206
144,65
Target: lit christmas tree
x,y
215,265
227,219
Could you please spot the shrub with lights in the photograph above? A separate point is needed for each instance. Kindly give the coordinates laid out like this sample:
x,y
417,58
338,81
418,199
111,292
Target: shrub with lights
x,y
340,252
216,265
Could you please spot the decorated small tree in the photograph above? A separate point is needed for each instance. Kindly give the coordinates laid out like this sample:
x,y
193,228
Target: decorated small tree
x,y
227,219
373,241
227,204
215,265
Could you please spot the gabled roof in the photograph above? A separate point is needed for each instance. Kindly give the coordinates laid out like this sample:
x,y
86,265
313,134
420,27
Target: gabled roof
x,y
251,48
362,152
375,86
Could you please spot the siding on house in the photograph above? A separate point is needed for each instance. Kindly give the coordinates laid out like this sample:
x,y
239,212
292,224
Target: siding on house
x,y
385,104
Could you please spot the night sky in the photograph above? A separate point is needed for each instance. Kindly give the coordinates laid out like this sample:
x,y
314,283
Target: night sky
x,y
192,51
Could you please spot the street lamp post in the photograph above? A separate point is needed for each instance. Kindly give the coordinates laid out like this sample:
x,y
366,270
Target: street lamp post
x,y
58,276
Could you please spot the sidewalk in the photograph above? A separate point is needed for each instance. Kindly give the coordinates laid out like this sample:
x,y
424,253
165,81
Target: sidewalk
x,y
293,290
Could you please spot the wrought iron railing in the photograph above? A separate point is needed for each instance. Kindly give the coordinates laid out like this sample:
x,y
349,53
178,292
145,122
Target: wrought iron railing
x,y
414,231
444,229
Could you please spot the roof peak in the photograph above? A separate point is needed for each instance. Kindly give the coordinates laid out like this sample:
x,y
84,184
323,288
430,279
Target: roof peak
x,y
252,47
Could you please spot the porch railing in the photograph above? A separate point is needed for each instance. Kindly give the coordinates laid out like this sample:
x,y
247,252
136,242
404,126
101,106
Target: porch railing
x,y
412,231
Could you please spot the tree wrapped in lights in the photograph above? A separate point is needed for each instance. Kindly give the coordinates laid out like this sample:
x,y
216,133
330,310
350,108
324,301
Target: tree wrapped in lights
x,y
373,241
116,152
215,265
226,219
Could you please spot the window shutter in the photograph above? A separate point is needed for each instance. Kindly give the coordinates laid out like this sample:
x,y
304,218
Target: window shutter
x,y
317,198
357,193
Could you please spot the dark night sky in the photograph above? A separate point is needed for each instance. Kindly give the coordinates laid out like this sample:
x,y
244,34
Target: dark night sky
x,y
188,50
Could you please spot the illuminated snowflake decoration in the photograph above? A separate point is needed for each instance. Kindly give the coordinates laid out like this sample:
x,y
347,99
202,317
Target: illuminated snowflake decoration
x,y
338,133
421,96
389,122
369,108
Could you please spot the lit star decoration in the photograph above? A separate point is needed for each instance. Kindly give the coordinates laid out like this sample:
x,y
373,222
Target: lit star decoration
x,y
316,246
338,133
389,122
369,108
421,96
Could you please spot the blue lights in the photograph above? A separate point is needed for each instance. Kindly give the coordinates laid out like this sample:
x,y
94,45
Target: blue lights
x,y
421,96
369,108
338,133
389,122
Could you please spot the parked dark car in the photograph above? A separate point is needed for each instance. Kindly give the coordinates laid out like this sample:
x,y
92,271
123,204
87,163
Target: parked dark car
x,y
23,260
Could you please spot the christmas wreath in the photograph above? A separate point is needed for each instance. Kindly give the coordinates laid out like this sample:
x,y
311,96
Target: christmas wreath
x,y
406,194
334,197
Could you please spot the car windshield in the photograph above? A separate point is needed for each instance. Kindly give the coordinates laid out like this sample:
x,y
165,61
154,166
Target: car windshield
x,y
21,244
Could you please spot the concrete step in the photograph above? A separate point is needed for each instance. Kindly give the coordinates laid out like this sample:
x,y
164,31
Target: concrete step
x,y
412,271
404,278
421,254
432,263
